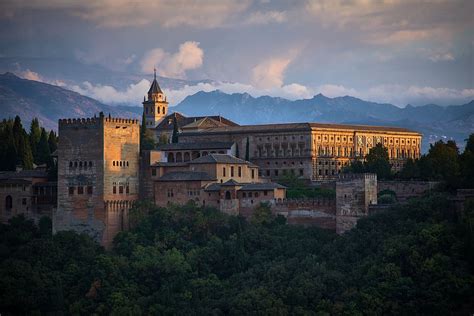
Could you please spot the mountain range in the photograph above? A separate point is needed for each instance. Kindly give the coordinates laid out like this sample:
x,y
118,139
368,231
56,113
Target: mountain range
x,y
31,99
433,121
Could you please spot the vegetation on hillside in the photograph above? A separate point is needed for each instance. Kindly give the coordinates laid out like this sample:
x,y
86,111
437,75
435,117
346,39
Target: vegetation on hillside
x,y
20,148
443,163
413,259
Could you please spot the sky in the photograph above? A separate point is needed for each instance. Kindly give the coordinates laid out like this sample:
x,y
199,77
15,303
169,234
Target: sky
x,y
395,51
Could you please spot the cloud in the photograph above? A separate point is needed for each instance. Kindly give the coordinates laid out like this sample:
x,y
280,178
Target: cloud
x,y
167,13
268,17
30,75
109,95
269,74
442,57
189,56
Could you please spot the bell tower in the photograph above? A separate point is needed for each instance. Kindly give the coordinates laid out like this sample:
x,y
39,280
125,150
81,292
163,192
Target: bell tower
x,y
155,107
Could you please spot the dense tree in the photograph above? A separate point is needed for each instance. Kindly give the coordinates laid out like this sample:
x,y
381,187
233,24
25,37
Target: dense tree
x,y
237,153
247,150
413,259
42,151
377,161
35,135
52,141
175,135
147,139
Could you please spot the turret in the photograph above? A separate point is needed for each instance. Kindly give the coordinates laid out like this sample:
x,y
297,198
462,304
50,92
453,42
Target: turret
x,y
155,107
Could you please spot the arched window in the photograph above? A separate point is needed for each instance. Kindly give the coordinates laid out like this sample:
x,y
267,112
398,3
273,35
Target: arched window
x,y
187,157
227,195
170,157
8,202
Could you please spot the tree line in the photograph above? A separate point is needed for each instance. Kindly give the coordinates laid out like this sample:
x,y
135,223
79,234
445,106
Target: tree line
x,y
443,163
25,149
413,259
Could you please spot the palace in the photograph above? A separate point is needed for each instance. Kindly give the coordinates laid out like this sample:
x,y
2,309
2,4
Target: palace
x,y
216,163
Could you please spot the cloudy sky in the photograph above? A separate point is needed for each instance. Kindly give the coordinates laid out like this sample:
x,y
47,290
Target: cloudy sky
x,y
397,51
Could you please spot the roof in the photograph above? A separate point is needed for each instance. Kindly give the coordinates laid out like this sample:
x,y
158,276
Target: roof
x,y
205,123
261,186
169,164
245,186
167,122
15,181
155,87
230,183
298,127
186,176
191,146
219,158
23,174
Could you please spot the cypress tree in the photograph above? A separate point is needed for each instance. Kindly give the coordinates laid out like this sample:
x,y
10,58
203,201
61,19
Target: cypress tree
x,y
52,141
43,151
237,153
174,137
35,135
24,155
247,150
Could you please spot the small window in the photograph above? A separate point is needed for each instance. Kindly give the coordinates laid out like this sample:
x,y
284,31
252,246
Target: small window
x,y
113,163
232,171
70,164
23,201
265,193
153,172
71,190
127,189
253,173
223,171
114,190
240,172
90,164
89,189
250,194
80,164
256,194
80,190
244,195
127,163
120,189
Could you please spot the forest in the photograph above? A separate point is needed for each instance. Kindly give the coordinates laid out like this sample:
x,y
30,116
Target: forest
x,y
413,259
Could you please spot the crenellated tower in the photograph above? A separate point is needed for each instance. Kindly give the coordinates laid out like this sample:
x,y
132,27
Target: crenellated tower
x,y
155,107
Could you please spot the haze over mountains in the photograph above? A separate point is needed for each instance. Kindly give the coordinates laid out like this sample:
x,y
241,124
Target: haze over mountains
x,y
30,99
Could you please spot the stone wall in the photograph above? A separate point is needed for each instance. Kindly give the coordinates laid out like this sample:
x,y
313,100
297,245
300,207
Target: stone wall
x,y
320,212
407,189
354,194
97,163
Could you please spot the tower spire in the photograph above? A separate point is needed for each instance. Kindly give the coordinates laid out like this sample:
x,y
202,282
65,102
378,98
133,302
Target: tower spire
x,y
154,71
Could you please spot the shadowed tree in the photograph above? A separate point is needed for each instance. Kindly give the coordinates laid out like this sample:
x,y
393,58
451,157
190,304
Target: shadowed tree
x,y
174,137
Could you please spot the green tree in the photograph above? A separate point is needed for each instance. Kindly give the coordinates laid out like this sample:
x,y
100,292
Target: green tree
x,y
147,140
175,135
377,161
35,135
467,163
247,150
442,163
43,151
52,141
410,170
237,153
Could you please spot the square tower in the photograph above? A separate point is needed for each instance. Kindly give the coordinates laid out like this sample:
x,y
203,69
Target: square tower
x,y
155,108
98,167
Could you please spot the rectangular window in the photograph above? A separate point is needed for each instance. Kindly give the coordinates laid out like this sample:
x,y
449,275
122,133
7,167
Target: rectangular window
x,y
153,172
89,189
23,201
276,172
71,190
120,189
127,189
223,171
80,190
240,172
301,172
253,173
265,193
232,171
268,173
114,190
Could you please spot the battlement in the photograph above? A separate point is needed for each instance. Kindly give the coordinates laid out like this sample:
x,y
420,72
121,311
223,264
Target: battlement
x,y
306,202
91,121
356,176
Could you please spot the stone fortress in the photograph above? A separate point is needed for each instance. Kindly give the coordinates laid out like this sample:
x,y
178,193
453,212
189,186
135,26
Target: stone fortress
x,y
216,162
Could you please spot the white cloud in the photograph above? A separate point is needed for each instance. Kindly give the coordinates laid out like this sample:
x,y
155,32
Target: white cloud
x,y
269,74
30,75
109,95
189,56
268,17
442,57
168,13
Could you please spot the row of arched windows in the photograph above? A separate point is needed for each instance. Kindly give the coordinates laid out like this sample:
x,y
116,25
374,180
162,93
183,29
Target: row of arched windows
x,y
151,110
80,164
120,163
